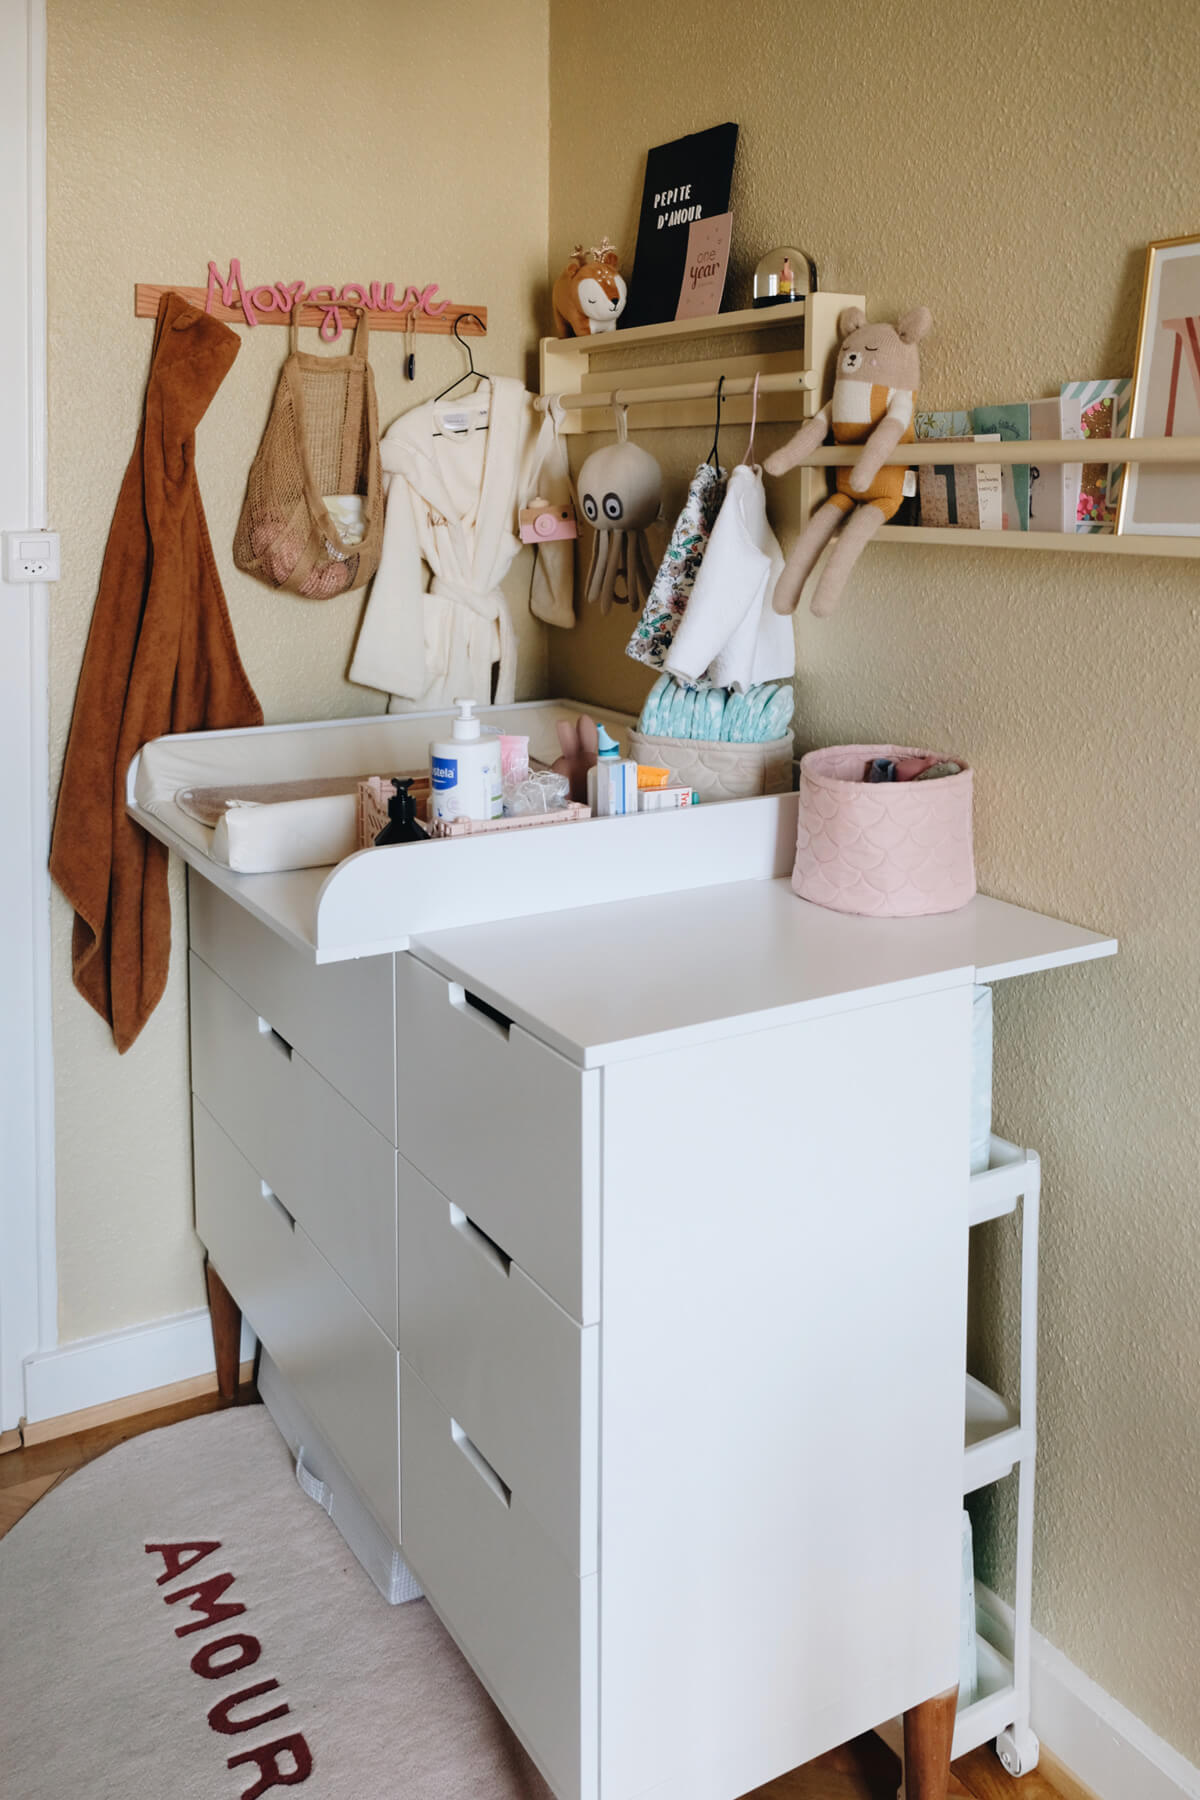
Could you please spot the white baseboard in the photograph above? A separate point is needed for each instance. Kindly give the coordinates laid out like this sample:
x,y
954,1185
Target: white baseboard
x,y
1103,1744
1099,1740
93,1371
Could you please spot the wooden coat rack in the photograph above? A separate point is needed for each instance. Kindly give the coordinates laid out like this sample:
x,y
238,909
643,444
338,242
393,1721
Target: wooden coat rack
x,y
328,308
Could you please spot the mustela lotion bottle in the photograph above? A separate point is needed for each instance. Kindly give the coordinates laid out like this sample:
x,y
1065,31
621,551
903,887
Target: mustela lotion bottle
x,y
466,770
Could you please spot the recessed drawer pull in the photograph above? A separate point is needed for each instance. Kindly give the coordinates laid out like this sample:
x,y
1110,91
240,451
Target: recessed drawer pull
x,y
480,1464
482,1010
269,1194
487,1247
266,1029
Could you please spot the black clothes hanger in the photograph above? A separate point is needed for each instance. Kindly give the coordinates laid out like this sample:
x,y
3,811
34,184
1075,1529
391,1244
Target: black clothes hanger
x,y
471,369
712,456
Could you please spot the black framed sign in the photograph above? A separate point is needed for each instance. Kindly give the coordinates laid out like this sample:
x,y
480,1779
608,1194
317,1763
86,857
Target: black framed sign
x,y
686,191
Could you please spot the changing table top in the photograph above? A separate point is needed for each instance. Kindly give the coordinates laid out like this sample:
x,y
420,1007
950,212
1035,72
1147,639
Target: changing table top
x,y
605,983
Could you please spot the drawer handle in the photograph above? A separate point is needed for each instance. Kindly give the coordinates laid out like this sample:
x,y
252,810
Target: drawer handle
x,y
267,1030
486,1246
480,1464
269,1194
483,1010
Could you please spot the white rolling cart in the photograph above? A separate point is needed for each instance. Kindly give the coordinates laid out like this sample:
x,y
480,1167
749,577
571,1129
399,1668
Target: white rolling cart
x,y
1000,1437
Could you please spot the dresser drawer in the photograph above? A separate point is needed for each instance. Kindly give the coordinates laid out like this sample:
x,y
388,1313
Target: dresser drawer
x,y
344,1371
506,1128
333,1171
524,1620
516,1371
337,1015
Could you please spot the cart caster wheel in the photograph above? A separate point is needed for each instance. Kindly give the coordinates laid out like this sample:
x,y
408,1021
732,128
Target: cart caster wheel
x,y
1018,1750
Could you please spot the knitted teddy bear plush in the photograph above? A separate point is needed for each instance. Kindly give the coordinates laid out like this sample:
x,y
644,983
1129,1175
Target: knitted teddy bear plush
x,y
590,293
878,373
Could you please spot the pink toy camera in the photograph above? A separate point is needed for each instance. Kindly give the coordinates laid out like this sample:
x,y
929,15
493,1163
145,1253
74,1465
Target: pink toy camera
x,y
540,522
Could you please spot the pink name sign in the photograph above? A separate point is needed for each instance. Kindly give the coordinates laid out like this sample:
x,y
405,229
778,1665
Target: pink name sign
x,y
282,296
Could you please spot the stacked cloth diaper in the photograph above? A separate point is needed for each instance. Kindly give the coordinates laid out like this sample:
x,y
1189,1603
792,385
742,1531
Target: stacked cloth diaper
x,y
717,715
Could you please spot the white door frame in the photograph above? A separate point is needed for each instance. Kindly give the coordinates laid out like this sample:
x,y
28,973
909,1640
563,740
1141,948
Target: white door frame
x,y
28,1277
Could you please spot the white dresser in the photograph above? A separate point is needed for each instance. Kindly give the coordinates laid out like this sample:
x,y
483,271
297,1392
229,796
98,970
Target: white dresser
x,y
619,1257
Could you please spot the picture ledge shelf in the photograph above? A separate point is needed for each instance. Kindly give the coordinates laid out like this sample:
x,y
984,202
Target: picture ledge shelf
x,y
1048,451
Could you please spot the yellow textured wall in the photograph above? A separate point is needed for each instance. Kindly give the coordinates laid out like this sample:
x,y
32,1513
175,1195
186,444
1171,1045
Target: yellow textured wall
x,y
344,144
980,159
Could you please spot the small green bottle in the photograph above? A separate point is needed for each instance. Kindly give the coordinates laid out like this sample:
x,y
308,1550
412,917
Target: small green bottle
x,y
402,827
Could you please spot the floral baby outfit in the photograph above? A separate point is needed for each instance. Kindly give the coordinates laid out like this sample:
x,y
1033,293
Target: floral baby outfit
x,y
673,584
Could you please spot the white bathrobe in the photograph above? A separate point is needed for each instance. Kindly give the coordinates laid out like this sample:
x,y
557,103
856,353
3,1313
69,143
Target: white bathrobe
x,y
453,490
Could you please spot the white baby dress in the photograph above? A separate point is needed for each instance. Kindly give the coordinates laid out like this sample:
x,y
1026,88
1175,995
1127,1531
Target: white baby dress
x,y
729,635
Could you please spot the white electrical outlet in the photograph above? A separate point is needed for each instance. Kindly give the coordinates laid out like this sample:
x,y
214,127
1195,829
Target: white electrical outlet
x,y
31,556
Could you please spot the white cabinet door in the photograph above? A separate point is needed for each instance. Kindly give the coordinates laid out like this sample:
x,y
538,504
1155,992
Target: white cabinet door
x,y
516,1371
328,1165
506,1128
783,1338
339,1016
523,1619
344,1371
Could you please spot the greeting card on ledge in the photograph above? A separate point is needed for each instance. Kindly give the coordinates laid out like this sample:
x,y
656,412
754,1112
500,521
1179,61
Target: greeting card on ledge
x,y
704,267
1101,409
962,495
687,185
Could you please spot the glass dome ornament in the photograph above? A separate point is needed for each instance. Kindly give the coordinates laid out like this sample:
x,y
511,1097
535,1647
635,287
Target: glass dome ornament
x,y
784,276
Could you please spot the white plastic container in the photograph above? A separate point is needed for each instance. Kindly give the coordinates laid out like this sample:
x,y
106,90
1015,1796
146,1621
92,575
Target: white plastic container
x,y
612,781
466,770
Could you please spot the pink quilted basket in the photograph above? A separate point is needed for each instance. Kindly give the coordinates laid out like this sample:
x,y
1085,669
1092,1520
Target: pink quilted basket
x,y
891,849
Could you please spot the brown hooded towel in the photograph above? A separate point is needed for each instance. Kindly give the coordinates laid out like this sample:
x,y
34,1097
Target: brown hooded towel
x,y
160,657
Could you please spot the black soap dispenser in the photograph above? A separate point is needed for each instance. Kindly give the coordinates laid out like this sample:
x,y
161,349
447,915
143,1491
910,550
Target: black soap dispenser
x,y
402,827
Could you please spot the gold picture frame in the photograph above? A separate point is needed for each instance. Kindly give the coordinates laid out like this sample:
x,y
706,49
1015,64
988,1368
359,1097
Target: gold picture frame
x,y
1163,499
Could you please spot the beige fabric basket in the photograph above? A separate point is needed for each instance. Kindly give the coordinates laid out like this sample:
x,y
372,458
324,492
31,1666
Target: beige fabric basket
x,y
719,771
322,438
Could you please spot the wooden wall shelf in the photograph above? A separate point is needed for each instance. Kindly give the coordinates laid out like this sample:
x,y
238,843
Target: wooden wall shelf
x,y
666,393
1023,450
1040,450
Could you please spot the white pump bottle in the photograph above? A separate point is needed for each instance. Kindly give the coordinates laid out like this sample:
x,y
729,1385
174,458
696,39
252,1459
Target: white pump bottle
x,y
466,770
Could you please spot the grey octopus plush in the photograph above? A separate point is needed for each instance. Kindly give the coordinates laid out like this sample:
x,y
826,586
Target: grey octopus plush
x,y
620,493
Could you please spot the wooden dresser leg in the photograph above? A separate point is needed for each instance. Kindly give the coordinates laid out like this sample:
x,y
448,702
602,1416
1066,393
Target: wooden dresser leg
x,y
928,1739
226,1316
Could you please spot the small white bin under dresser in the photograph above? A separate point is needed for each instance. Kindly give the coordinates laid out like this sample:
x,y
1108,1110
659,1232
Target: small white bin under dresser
x,y
612,1262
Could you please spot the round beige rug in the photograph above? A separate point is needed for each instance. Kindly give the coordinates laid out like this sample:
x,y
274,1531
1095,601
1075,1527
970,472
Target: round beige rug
x,y
178,1622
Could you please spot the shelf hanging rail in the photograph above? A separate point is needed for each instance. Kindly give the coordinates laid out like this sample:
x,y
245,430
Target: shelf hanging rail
x,y
800,382
1025,450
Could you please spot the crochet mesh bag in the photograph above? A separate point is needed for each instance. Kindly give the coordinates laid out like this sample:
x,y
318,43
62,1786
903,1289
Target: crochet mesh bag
x,y
322,438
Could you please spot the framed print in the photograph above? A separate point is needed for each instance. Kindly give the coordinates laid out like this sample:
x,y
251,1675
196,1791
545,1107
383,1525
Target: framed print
x,y
1163,499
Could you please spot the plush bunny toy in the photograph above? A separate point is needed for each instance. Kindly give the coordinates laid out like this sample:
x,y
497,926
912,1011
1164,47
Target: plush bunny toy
x,y
878,373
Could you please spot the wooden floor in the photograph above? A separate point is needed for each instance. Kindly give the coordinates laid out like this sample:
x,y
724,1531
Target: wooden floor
x,y
862,1770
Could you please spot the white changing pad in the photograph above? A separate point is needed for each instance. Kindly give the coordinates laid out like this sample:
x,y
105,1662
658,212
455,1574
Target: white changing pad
x,y
255,839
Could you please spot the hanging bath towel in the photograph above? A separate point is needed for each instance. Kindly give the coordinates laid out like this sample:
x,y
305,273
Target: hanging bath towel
x,y
672,588
160,657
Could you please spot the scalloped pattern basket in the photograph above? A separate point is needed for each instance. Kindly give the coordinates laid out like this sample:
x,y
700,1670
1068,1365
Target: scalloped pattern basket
x,y
890,850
